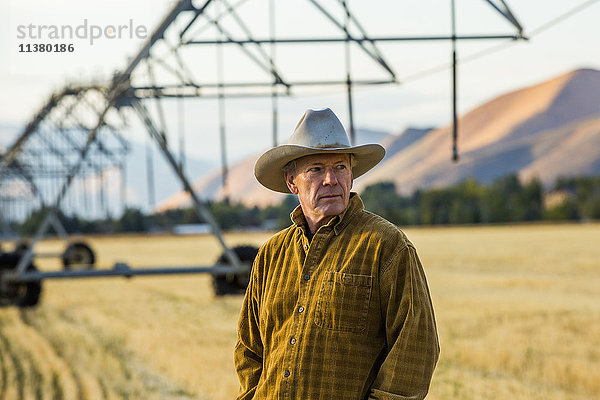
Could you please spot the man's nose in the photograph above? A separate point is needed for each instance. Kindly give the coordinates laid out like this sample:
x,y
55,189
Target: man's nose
x,y
330,177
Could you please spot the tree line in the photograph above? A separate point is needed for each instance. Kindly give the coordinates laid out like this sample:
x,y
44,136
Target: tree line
x,y
505,200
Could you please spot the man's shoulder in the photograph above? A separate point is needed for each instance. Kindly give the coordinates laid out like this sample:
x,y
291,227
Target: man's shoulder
x,y
380,228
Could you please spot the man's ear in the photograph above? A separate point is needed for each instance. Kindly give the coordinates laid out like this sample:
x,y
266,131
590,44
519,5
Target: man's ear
x,y
289,180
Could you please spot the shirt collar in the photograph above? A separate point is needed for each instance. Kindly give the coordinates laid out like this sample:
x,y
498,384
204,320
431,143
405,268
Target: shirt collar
x,y
339,222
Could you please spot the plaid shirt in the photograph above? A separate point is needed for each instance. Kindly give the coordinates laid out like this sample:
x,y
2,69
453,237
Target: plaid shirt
x,y
346,315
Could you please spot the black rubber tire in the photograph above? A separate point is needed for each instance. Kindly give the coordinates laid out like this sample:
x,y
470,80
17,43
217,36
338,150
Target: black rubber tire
x,y
234,283
20,294
78,253
32,292
21,246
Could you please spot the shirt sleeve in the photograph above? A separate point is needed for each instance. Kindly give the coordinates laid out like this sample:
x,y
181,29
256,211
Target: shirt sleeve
x,y
248,353
411,334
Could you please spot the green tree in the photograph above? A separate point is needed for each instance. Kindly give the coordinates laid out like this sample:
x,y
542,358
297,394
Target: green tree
x,y
566,210
584,191
132,220
532,201
435,207
383,199
31,223
468,203
504,199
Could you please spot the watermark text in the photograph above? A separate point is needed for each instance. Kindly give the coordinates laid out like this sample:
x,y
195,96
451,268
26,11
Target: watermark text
x,y
90,32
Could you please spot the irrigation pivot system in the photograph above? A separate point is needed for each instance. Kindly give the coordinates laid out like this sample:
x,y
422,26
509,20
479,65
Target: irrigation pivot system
x,y
81,131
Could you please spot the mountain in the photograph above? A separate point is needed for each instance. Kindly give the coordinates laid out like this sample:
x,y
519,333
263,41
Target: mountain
x,y
547,130
396,143
241,187
364,136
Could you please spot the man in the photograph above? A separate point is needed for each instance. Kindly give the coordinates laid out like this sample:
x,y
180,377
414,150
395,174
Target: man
x,y
337,306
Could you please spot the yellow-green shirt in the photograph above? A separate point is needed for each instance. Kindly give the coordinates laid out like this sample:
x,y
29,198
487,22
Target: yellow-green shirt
x,y
346,315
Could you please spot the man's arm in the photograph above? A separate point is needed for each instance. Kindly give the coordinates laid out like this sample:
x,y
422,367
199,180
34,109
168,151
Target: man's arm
x,y
249,347
411,333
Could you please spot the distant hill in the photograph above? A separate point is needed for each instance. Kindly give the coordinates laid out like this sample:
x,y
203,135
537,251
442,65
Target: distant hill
x,y
396,143
371,136
547,130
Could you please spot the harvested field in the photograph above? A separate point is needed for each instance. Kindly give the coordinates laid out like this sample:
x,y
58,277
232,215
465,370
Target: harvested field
x,y
518,310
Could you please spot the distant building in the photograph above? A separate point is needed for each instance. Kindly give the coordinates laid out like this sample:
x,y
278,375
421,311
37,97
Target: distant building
x,y
192,229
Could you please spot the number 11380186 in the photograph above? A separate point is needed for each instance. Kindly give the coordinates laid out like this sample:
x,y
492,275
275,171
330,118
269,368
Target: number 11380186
x,y
46,48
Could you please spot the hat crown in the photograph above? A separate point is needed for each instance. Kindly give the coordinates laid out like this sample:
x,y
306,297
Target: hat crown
x,y
320,129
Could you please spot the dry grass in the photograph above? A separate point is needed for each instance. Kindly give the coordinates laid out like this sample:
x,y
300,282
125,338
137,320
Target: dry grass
x,y
518,312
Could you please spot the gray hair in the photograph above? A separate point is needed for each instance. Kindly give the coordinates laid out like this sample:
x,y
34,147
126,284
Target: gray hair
x,y
290,168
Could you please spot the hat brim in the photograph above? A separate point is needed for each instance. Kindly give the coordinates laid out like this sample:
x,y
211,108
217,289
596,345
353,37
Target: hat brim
x,y
269,167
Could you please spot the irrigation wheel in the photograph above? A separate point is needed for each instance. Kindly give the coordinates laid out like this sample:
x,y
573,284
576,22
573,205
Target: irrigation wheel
x,y
78,255
20,294
234,283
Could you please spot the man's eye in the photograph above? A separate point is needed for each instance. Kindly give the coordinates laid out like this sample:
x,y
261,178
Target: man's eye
x,y
341,166
314,169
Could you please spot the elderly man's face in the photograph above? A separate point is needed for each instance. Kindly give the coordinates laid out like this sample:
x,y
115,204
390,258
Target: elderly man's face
x,y
322,183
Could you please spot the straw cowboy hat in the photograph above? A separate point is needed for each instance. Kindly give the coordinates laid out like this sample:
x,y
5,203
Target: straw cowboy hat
x,y
318,132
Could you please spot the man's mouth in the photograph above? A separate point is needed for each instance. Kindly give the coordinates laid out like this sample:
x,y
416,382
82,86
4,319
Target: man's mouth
x,y
330,196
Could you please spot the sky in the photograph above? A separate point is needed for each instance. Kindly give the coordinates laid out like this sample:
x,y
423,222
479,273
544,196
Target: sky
x,y
26,80
423,97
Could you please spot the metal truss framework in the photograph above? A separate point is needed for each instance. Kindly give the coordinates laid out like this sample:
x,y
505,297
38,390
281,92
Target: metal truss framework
x,y
53,147
77,133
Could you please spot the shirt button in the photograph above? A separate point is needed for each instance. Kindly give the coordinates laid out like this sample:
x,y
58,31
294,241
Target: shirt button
x,y
300,309
286,373
306,277
306,247
293,341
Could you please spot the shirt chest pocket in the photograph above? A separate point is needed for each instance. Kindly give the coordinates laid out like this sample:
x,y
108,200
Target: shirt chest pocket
x,y
343,303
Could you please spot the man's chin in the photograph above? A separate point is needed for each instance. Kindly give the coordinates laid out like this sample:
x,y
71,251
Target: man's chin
x,y
333,208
